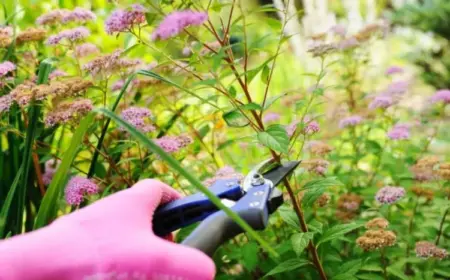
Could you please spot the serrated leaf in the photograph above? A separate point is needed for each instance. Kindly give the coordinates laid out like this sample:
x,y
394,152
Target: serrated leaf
x,y
397,272
337,231
289,217
315,226
350,268
322,183
311,196
369,276
251,106
286,266
235,119
275,137
300,241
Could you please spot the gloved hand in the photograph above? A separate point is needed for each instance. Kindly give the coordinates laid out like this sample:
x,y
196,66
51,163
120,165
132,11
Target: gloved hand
x,y
110,239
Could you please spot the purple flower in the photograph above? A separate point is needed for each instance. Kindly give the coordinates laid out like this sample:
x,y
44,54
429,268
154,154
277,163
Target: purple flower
x,y
123,20
117,85
52,17
78,15
77,188
339,29
442,95
50,168
137,116
290,128
73,35
312,127
398,87
350,121
6,67
5,102
85,50
56,73
271,117
348,43
171,144
389,195
381,101
399,132
226,172
186,51
175,22
394,70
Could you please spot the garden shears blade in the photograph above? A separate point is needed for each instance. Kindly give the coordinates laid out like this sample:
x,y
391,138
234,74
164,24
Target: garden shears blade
x,y
253,200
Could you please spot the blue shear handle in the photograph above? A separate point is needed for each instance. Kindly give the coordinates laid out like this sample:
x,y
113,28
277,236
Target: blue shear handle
x,y
218,228
193,208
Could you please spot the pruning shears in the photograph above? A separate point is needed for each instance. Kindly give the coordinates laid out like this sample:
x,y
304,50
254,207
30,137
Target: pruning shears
x,y
253,200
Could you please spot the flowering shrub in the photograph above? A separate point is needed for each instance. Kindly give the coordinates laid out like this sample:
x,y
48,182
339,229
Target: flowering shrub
x,y
216,87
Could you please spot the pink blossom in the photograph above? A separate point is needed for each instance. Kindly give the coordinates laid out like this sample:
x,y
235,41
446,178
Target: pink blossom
x,y
137,117
350,121
311,127
78,15
73,35
290,128
381,101
399,132
348,43
6,67
271,117
86,49
77,188
56,73
52,17
397,88
50,169
389,195
339,29
442,95
394,70
123,20
5,102
175,22
226,172
117,85
171,144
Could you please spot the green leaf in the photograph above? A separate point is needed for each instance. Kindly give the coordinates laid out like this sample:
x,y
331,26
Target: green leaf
x,y
322,183
369,276
235,118
249,255
397,272
265,74
349,268
47,210
300,241
251,74
275,137
286,266
232,91
272,100
337,231
315,226
311,196
7,203
150,17
289,217
187,174
251,106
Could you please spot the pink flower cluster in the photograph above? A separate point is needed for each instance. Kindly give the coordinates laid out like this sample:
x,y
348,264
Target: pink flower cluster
x,y
5,102
73,35
389,195
137,116
123,20
171,144
394,70
77,188
79,15
226,172
85,49
310,126
339,29
350,121
397,88
68,111
51,166
381,101
348,43
56,73
175,22
271,117
442,95
6,67
399,132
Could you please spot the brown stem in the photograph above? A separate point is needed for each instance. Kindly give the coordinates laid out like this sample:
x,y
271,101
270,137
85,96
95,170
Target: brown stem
x,y
441,226
38,171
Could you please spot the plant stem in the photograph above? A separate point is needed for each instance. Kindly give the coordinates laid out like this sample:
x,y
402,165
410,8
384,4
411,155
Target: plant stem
x,y
441,226
383,263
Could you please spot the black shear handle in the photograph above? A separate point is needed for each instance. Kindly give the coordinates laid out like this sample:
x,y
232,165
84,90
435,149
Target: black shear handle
x,y
218,228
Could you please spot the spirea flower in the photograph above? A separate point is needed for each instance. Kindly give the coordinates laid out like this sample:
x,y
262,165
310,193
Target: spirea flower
x,y
311,127
444,171
348,43
69,111
394,70
339,29
442,95
350,121
52,17
319,148
124,20
389,195
423,192
117,85
347,206
85,49
321,49
318,166
381,101
78,15
31,35
226,172
51,166
72,35
323,200
397,88
111,63
171,144
5,103
377,223
426,250
376,239
271,117
137,117
56,73
399,132
77,188
176,21
6,33
6,67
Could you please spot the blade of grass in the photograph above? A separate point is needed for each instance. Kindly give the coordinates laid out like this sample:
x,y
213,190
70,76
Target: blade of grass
x,y
175,165
7,204
47,210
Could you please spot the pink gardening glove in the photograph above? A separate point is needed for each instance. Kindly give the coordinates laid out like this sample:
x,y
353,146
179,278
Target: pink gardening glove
x,y
110,239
